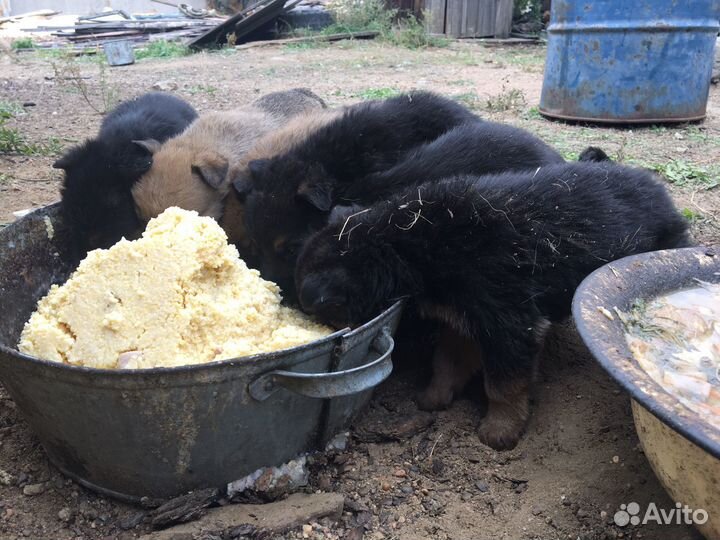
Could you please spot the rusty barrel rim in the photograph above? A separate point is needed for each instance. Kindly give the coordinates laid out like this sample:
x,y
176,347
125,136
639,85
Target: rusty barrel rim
x,y
637,121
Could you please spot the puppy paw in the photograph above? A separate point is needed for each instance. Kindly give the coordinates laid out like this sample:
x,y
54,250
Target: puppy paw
x,y
434,399
501,430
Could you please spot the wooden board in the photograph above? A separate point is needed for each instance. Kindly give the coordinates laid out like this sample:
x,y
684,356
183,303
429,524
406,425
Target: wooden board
x,y
435,16
470,18
308,39
503,18
241,24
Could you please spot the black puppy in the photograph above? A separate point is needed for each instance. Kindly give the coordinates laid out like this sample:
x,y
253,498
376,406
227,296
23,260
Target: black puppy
x,y
96,204
475,148
290,195
494,259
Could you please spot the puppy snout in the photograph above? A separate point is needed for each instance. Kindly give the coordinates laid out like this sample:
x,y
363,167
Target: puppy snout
x,y
313,293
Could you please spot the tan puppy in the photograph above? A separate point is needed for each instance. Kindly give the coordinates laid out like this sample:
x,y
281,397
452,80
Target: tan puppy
x,y
195,169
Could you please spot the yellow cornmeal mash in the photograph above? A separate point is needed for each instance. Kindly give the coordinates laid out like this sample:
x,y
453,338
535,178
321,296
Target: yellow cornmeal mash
x,y
179,295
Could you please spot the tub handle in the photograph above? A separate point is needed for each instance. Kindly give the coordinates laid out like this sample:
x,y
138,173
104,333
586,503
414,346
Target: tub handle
x,y
329,385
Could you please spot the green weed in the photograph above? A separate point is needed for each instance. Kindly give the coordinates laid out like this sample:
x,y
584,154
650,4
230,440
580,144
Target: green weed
x,y
202,89
9,109
469,99
373,15
690,215
13,142
305,45
682,173
411,34
533,113
22,43
101,98
359,16
162,49
376,93
508,100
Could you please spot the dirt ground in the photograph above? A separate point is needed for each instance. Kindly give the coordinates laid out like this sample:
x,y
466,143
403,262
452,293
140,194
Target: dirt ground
x,y
580,459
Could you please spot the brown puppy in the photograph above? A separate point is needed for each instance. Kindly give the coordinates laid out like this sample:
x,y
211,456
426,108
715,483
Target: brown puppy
x,y
195,169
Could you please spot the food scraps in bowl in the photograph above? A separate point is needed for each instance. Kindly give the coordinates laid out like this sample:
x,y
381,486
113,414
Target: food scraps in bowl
x,y
675,338
179,295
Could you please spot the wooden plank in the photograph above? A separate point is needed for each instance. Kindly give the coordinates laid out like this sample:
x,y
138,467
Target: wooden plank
x,y
503,18
473,8
329,37
485,18
38,13
463,17
435,16
453,18
241,24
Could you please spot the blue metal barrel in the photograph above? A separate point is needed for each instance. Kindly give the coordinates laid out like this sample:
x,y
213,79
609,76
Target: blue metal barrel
x,y
629,60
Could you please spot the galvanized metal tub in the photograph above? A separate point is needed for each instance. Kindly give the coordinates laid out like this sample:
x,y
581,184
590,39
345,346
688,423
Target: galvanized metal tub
x,y
161,432
681,446
623,62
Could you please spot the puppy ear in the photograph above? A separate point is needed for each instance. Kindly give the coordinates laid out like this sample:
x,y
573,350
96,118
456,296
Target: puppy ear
x,y
212,169
149,146
73,156
64,162
242,183
318,194
258,166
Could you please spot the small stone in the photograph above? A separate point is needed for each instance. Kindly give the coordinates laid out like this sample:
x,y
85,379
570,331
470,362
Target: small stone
x,y
65,514
131,521
165,86
406,489
324,482
355,534
33,489
581,513
465,496
437,466
400,473
536,510
307,531
616,459
482,487
565,501
603,515
6,479
385,486
87,511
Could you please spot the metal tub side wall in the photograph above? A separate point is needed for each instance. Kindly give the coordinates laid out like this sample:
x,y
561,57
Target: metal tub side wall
x,y
619,61
158,435
157,432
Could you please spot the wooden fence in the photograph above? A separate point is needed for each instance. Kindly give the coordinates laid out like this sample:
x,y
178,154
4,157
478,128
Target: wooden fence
x,y
466,18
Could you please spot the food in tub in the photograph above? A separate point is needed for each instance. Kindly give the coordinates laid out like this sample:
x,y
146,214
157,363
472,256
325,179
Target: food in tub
x,y
676,340
178,295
